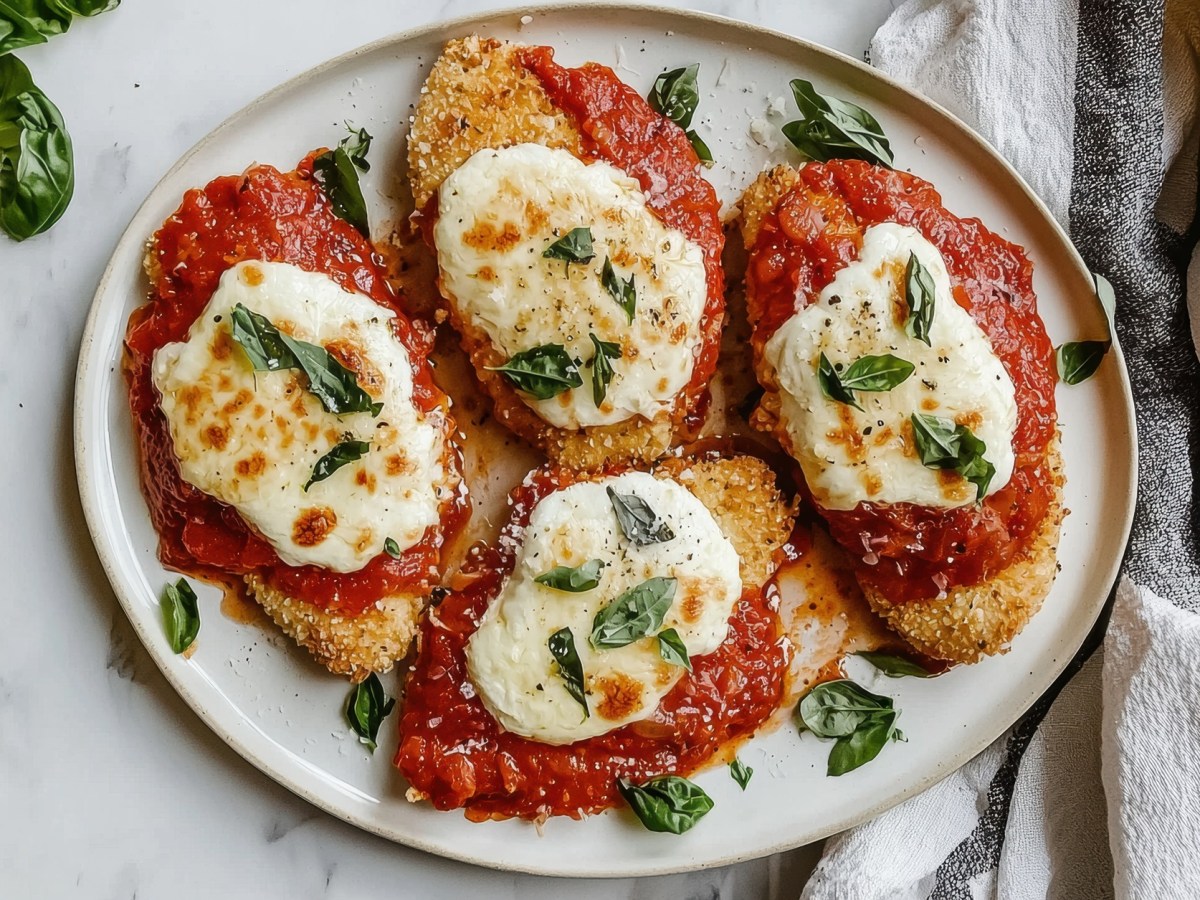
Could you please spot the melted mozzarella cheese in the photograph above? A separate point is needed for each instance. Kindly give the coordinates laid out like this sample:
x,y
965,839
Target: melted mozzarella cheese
x,y
251,439
509,659
499,212
851,456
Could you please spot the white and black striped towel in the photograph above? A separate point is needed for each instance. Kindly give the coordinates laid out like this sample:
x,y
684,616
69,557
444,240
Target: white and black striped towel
x,y
1096,792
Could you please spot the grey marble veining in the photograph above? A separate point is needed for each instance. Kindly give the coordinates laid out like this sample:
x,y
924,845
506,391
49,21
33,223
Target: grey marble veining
x,y
109,786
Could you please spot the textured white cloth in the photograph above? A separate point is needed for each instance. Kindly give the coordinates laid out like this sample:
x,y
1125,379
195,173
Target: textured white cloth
x,y
1107,799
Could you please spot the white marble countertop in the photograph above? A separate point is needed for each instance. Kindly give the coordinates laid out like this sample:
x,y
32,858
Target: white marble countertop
x,y
110,787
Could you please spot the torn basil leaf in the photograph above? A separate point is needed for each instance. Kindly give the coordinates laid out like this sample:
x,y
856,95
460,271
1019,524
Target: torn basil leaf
x,y
602,370
874,374
635,614
270,350
337,171
343,452
830,128
1078,360
672,649
919,295
24,23
894,666
859,722
366,709
943,444
562,647
542,372
640,524
702,152
391,548
676,95
741,772
574,580
831,384
619,289
181,615
357,146
667,803
574,246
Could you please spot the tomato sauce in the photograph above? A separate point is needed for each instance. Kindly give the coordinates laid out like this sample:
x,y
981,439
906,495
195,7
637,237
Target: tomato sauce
x,y
453,751
913,552
273,216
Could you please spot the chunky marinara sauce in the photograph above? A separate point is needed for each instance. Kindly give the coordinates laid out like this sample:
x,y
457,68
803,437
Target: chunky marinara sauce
x,y
817,229
273,216
453,751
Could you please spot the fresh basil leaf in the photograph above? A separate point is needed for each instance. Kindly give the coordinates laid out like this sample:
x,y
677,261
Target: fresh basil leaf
x,y
357,146
831,384
672,649
919,294
337,174
862,746
942,444
860,722
542,372
602,370
1078,360
574,580
24,23
894,666
676,95
574,246
640,524
830,128
741,772
269,349
667,803
702,152
624,292
37,164
343,453
181,615
562,647
391,548
366,709
633,615
876,374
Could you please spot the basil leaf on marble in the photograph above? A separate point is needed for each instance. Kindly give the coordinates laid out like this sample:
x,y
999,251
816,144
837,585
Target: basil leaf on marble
x,y
343,453
574,246
667,803
366,709
24,23
562,647
574,580
181,615
741,772
337,171
270,350
542,372
391,548
672,649
640,524
894,666
633,615
859,722
624,292
919,295
676,95
943,444
602,370
830,128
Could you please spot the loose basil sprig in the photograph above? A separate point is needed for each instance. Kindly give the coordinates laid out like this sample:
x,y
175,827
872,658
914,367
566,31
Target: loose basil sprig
x,y
830,128
943,444
391,548
181,615
860,722
640,524
667,803
366,709
633,615
542,372
918,293
270,350
1078,360
894,666
602,370
562,647
337,171
573,580
343,452
574,246
871,373
24,23
672,649
741,772
676,95
624,292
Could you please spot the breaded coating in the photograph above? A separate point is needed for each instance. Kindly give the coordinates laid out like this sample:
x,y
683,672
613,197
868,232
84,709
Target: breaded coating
x,y
980,620
742,494
355,646
761,198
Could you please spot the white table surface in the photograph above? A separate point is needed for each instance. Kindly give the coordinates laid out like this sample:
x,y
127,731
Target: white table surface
x,y
109,786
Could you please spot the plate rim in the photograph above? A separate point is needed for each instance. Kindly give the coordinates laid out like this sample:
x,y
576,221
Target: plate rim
x,y
156,649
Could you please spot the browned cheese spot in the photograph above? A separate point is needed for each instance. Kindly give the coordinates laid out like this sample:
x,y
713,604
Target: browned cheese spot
x,y
239,402
252,466
351,355
215,436
485,236
620,696
398,464
313,526
366,479
252,275
222,345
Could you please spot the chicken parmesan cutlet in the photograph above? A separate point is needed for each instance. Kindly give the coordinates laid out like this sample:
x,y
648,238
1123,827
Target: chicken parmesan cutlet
x,y
905,367
622,628
578,249
290,433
